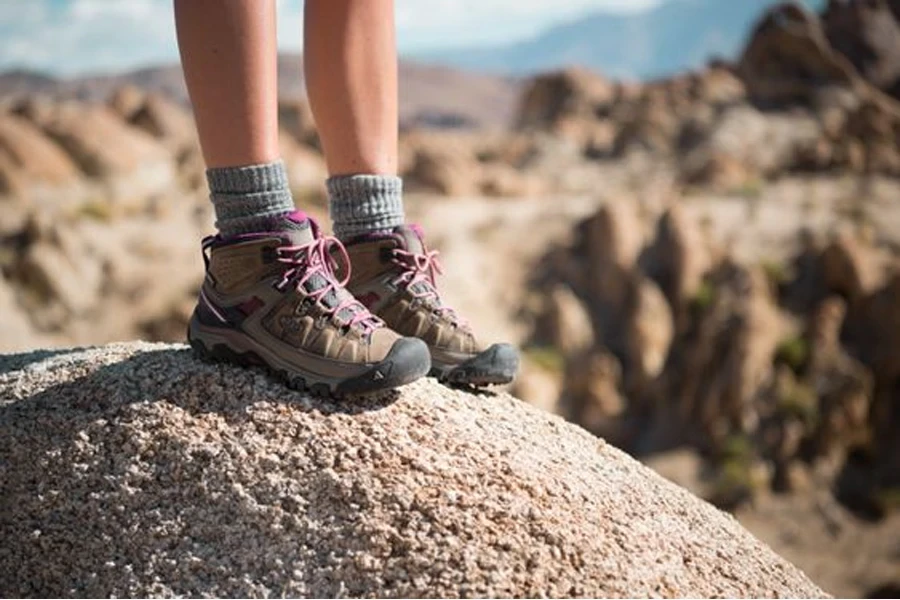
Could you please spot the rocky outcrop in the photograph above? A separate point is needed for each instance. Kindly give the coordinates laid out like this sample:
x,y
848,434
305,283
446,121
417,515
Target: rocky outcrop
x,y
807,94
868,34
560,99
15,328
836,69
101,144
773,371
165,120
566,323
850,267
724,357
126,100
134,470
442,170
463,163
85,279
591,394
789,58
677,259
761,145
106,149
28,158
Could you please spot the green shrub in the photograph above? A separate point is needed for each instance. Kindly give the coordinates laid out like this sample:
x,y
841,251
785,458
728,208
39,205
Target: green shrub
x,y
704,297
735,481
793,352
750,189
546,357
777,273
95,209
799,400
733,485
737,448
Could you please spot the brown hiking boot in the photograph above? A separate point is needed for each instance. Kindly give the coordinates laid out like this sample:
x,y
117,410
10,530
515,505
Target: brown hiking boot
x,y
394,276
272,299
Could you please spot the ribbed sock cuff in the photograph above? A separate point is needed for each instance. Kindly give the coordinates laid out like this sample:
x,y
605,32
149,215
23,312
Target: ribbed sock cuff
x,y
248,179
362,204
246,198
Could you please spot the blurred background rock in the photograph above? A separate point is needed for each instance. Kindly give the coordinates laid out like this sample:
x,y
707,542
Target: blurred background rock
x,y
687,214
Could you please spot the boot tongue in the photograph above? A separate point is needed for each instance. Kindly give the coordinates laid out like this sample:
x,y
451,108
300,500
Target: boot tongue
x,y
296,228
411,236
299,230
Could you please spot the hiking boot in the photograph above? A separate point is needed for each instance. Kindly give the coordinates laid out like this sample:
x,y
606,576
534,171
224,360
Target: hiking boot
x,y
393,275
272,299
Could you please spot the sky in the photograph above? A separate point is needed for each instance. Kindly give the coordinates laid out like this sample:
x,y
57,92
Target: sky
x,y
70,37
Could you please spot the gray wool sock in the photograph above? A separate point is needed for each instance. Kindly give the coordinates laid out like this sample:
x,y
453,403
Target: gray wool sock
x,y
362,204
246,199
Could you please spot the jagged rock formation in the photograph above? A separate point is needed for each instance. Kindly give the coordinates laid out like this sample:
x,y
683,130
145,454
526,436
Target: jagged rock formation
x,y
563,100
132,469
779,372
789,58
807,95
868,34
26,156
810,93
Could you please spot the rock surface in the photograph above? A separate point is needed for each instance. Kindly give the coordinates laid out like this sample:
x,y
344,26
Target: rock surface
x,y
132,469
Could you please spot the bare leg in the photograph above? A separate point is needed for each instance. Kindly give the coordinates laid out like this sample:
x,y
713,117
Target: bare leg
x,y
350,59
229,56
229,53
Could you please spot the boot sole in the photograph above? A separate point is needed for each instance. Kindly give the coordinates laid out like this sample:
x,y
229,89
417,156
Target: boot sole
x,y
497,365
407,361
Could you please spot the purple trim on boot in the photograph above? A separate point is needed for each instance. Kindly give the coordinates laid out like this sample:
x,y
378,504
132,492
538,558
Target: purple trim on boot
x,y
298,216
209,305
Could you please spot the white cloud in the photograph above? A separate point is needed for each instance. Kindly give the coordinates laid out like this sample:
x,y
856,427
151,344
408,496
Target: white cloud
x,y
92,10
76,36
438,23
86,35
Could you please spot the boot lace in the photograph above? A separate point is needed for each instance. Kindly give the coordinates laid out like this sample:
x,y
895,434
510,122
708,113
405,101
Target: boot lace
x,y
418,273
313,266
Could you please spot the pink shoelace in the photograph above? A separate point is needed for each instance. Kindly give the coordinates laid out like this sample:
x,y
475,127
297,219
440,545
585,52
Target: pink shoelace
x,y
423,269
315,258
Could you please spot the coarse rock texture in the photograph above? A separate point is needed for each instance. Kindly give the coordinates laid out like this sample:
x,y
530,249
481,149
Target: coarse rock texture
x,y
133,470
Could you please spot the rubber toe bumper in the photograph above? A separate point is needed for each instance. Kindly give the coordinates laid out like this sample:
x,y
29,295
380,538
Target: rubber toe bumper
x,y
407,360
494,366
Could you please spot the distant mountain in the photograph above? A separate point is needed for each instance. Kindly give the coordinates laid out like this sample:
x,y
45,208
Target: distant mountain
x,y
20,81
429,95
676,35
